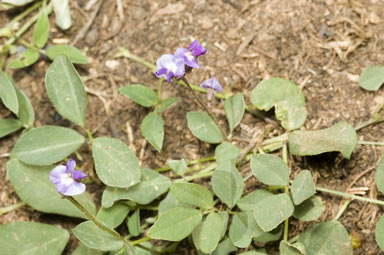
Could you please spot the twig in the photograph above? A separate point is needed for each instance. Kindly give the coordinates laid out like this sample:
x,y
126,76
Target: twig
x,y
368,123
88,25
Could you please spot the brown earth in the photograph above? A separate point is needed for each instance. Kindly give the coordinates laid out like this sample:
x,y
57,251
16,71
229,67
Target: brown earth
x,y
323,46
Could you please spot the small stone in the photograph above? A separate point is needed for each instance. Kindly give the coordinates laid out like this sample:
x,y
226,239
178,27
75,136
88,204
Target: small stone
x,y
112,64
92,37
206,22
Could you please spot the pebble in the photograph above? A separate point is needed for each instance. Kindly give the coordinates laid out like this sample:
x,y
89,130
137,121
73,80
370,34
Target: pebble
x,y
92,37
112,64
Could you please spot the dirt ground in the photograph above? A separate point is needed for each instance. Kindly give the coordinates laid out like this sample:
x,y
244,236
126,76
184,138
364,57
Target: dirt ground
x,y
323,46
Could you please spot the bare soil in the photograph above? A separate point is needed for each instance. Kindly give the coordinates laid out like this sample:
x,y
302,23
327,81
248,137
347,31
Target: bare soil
x,y
323,46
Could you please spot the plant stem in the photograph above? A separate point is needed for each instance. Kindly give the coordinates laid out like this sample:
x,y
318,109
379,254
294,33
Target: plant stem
x,y
126,53
342,209
286,190
368,123
141,240
159,89
11,208
192,162
24,13
343,194
371,143
198,100
89,133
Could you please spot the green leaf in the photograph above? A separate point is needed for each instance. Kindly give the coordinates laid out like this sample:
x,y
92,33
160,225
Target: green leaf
x,y
32,238
25,113
243,229
113,216
224,218
178,166
170,202
210,233
225,247
32,185
8,126
41,32
271,236
234,108
379,175
82,249
66,91
140,251
152,185
74,55
93,237
47,145
8,93
292,249
302,187
175,224
372,78
140,94
227,183
152,129
270,169
287,99
134,223
379,232
326,238
203,127
115,164
227,151
270,212
62,13
165,104
16,2
341,137
27,58
193,194
248,202
309,210
253,252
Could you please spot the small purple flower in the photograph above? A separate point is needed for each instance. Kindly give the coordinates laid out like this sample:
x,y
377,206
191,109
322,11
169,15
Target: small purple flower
x,y
66,179
169,66
190,56
212,85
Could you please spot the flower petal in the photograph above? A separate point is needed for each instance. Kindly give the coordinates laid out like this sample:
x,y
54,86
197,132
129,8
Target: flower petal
x,y
71,164
77,175
164,60
74,189
57,173
212,83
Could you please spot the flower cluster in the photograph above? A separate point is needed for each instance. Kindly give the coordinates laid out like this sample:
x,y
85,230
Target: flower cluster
x,y
66,179
170,66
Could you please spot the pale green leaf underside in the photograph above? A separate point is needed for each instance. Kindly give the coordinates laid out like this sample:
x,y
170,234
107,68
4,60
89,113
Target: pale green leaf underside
x,y
8,93
379,175
140,94
270,169
309,210
73,54
379,232
302,187
234,108
8,126
372,78
203,127
152,129
193,194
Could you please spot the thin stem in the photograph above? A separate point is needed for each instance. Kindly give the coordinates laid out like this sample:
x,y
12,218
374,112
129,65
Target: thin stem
x,y
89,133
24,13
368,123
199,175
10,208
371,143
343,194
286,190
198,100
141,240
126,53
192,162
94,220
159,89
342,209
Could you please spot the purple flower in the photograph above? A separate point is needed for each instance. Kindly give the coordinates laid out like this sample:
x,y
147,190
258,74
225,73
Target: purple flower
x,y
66,179
212,85
168,67
189,56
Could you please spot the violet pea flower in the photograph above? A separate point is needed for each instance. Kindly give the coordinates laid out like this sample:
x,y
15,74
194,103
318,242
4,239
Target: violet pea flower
x,y
168,66
65,178
212,85
190,56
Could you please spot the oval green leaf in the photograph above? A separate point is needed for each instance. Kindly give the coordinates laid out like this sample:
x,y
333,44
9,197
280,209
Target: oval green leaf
x,y
66,91
210,233
270,169
292,249
8,126
169,202
372,78
26,113
227,183
8,93
152,129
326,238
270,212
379,232
234,108
115,164
203,127
175,224
379,175
341,137
113,216
285,96
82,249
41,32
151,186
32,185
193,194
309,210
243,228
165,104
27,58
140,94
227,151
74,55
46,145
134,223
178,166
32,238
93,237
62,13
302,187
249,202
